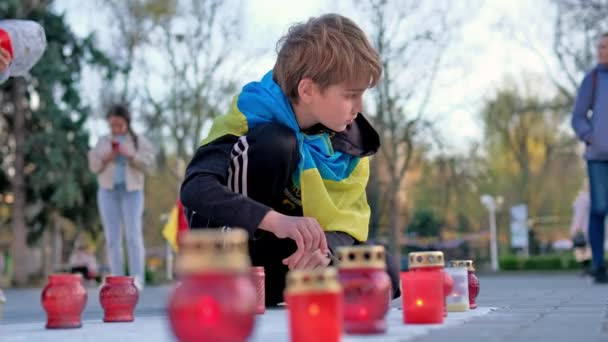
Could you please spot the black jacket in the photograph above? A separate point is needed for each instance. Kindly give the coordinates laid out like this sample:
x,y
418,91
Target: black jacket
x,y
210,203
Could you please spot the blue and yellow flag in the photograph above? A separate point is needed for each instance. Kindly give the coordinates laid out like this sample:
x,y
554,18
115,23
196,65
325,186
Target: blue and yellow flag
x,y
332,183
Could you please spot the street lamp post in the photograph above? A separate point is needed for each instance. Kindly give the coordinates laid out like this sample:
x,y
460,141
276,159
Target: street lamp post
x,y
490,203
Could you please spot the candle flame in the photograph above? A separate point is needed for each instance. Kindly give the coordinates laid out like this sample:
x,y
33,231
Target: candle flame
x,y
419,302
209,310
363,312
313,309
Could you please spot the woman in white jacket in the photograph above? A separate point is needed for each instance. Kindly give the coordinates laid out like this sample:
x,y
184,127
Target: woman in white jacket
x,y
120,160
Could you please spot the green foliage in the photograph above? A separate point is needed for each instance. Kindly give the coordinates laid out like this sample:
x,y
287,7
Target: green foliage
x,y
57,176
450,186
425,223
537,263
532,159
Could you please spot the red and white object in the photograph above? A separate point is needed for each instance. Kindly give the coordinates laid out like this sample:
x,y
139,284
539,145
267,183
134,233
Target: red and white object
x,y
25,41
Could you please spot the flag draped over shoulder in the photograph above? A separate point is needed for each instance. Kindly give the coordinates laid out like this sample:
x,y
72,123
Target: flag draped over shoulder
x,y
332,183
176,224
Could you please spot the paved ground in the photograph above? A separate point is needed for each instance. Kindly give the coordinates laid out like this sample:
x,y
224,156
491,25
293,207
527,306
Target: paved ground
x,y
546,307
514,307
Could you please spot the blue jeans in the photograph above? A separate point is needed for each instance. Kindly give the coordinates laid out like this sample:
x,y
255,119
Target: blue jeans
x,y
119,207
598,188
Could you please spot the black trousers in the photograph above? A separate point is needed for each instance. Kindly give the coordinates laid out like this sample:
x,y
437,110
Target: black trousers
x,y
261,168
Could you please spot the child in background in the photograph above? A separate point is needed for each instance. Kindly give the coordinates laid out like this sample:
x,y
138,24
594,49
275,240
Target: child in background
x,y
83,261
578,229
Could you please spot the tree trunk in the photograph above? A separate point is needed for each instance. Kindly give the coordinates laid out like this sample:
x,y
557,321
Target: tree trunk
x,y
18,220
46,253
395,225
57,249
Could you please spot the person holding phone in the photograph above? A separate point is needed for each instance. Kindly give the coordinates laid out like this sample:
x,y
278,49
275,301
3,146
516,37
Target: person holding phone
x,y
120,160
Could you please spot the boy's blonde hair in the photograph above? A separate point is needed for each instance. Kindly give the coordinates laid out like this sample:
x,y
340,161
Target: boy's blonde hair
x,y
330,49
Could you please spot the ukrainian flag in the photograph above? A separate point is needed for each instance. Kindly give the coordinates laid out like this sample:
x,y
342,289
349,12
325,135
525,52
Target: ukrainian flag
x,y
332,183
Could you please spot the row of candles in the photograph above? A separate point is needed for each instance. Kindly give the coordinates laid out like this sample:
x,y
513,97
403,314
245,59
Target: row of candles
x,y
220,293
64,298
431,290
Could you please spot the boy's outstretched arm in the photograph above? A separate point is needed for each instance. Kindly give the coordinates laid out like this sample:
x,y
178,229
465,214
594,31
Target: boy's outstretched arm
x,y
204,192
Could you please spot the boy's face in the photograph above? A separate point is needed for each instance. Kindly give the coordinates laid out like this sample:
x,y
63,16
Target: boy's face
x,y
337,106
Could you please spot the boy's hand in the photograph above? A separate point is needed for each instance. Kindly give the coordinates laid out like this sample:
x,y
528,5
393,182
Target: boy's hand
x,y
309,261
305,231
5,60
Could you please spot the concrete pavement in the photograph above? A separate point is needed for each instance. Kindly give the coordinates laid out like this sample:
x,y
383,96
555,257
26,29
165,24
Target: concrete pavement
x,y
513,307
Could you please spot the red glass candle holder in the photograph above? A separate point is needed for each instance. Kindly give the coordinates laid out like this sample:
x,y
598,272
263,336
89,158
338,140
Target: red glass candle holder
x,y
473,280
366,286
118,298
423,298
258,277
315,305
432,261
216,299
64,299
473,290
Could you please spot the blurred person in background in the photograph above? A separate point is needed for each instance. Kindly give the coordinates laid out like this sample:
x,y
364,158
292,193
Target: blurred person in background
x,y
590,123
120,160
578,230
83,261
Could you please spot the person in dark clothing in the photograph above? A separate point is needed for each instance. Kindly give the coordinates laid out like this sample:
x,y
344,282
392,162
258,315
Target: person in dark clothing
x,y
289,161
592,130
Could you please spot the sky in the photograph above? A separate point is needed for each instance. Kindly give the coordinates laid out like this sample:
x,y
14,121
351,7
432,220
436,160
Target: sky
x,y
488,48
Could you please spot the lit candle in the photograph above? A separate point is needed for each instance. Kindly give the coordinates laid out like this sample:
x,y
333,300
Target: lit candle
x,y
458,299
314,303
432,261
472,278
216,299
422,297
367,288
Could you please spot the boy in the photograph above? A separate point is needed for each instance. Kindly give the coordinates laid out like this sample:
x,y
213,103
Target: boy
x,y
289,161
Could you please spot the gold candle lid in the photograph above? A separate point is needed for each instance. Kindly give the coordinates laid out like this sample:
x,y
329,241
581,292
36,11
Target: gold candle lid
x,y
462,263
213,250
363,256
317,280
426,259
